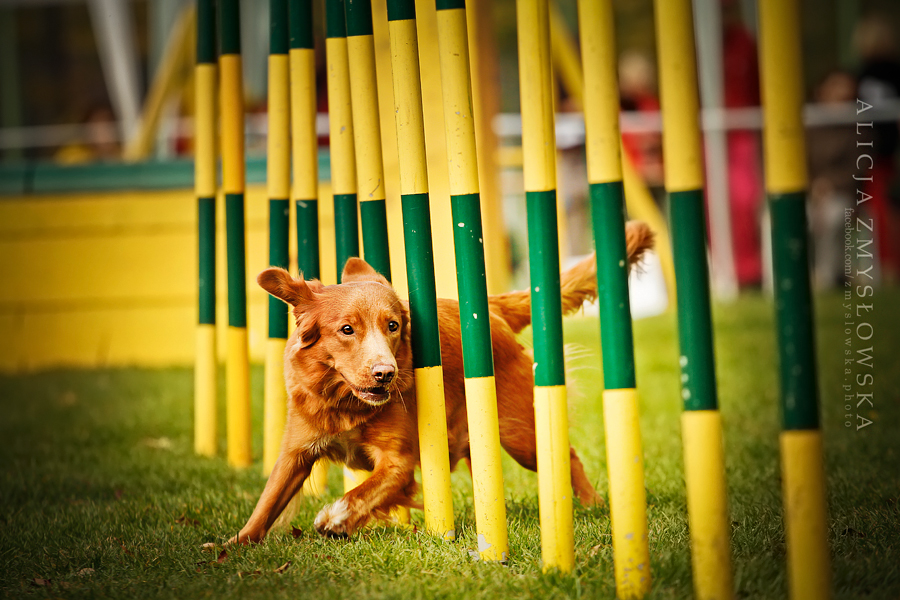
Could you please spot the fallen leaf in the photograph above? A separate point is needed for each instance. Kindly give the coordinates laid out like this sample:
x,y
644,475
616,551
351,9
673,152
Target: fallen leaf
x,y
222,556
37,581
594,550
86,572
283,567
118,494
296,532
126,550
243,574
187,522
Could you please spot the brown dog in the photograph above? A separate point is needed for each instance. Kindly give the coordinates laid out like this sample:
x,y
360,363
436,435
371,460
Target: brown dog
x,y
351,398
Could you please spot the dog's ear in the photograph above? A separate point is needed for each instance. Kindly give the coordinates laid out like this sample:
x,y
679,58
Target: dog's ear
x,y
280,284
356,269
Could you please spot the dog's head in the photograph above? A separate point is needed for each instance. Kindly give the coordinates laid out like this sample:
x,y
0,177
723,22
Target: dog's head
x,y
352,338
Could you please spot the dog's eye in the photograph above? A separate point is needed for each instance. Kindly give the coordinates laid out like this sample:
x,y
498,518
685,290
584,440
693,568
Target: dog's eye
x,y
347,330
393,326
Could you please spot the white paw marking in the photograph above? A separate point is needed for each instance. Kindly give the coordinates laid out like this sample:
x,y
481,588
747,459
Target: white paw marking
x,y
332,518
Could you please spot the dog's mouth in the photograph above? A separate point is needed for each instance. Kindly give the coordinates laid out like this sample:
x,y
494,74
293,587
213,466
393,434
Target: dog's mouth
x,y
376,396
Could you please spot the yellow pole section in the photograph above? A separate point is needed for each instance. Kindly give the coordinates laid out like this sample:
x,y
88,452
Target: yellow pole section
x,y
275,408
231,105
554,477
408,107
340,119
601,91
782,96
536,89
205,386
487,472
303,123
366,124
237,377
803,488
432,416
278,142
481,391
682,147
456,85
279,187
625,464
539,148
317,481
704,464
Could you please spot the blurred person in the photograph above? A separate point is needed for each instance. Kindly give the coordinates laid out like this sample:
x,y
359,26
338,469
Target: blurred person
x,y
879,81
100,141
745,187
831,153
637,93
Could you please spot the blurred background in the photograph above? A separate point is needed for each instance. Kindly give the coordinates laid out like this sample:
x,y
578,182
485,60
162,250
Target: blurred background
x,y
96,127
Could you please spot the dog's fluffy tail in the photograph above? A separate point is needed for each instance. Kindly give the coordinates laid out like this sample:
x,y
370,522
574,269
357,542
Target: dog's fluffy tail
x,y
576,285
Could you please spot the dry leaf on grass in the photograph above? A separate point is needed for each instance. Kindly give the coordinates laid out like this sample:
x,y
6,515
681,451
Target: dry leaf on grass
x,y
86,572
243,574
296,532
283,567
39,582
222,556
183,520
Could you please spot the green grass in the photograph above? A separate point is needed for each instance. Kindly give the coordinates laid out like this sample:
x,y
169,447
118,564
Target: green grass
x,y
101,494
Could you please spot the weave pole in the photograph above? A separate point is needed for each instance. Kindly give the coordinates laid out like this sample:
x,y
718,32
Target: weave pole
x,y
304,140
304,146
704,459
468,241
231,104
278,177
624,454
426,343
340,128
367,135
205,392
550,406
802,468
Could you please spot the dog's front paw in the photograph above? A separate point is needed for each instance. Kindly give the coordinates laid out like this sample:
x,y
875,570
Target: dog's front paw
x,y
334,520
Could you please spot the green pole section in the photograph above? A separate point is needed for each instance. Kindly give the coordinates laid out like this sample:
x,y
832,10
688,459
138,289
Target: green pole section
x,y
546,304
279,208
375,236
358,14
794,312
608,216
206,221
471,278
346,229
307,209
698,367
237,266
343,162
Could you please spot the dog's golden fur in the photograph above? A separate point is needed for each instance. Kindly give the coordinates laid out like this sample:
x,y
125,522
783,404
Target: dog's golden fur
x,y
351,394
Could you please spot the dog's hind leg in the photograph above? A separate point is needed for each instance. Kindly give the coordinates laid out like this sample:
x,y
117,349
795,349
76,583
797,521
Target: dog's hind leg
x,y
290,471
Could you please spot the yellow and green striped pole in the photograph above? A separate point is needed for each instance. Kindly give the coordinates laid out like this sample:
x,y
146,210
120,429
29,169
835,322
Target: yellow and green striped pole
x,y
802,468
231,104
340,128
704,460
305,143
205,430
624,454
305,149
367,134
550,405
279,188
433,446
468,239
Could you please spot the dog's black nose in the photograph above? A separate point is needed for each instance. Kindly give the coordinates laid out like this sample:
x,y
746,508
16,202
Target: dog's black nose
x,y
383,373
